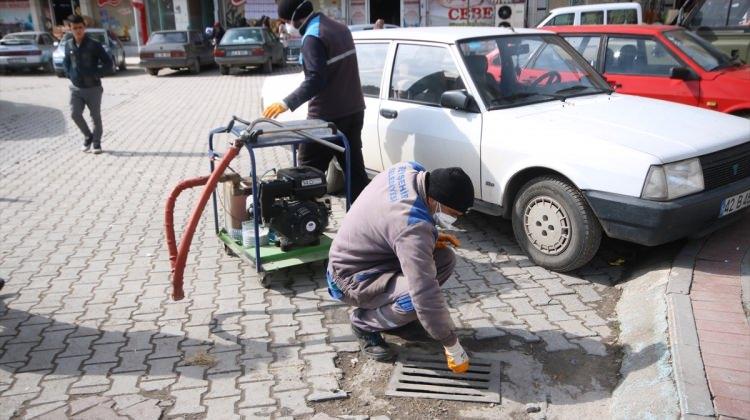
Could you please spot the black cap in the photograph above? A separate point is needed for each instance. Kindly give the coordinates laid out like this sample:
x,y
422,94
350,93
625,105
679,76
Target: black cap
x,y
451,187
286,9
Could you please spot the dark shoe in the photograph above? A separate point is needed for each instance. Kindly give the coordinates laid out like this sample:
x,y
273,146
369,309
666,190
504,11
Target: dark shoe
x,y
373,345
97,150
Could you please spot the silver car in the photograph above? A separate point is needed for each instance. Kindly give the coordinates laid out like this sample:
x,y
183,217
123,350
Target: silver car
x,y
109,41
245,47
176,50
26,50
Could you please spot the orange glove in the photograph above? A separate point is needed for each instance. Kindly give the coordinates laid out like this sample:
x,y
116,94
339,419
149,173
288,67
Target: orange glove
x,y
458,360
273,110
445,239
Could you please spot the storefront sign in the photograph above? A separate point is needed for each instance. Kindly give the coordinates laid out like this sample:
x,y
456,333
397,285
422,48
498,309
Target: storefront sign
x,y
462,13
255,9
15,16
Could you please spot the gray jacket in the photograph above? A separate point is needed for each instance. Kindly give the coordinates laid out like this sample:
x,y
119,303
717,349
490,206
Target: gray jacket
x,y
389,230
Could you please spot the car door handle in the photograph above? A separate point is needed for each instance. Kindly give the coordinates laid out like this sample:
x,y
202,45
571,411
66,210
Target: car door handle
x,y
389,113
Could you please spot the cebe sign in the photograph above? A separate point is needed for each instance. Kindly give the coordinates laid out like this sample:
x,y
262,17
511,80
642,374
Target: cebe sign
x,y
462,12
473,13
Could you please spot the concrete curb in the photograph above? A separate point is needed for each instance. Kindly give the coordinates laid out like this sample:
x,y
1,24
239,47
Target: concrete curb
x,y
689,372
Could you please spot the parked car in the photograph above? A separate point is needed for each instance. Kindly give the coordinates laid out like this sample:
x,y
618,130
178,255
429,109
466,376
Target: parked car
x,y
549,145
594,14
723,23
663,62
293,49
109,41
176,50
249,47
26,50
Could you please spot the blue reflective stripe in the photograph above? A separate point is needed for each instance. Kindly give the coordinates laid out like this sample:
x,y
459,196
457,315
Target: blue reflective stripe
x,y
404,302
417,166
365,275
313,29
333,290
419,213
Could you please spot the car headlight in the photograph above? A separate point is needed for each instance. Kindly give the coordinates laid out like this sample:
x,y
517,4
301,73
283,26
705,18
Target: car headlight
x,y
673,180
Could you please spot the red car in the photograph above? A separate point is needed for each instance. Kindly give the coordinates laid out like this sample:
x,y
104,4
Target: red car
x,y
663,62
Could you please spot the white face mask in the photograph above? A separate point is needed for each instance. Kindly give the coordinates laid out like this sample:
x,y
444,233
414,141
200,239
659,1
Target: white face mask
x,y
444,220
291,30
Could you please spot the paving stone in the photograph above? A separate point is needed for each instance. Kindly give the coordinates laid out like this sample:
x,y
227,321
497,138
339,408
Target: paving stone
x,y
341,332
294,401
190,377
556,313
571,303
522,307
538,323
555,287
188,401
538,296
155,385
321,364
568,280
256,394
220,408
223,385
97,413
40,360
591,318
575,328
148,409
587,293
105,353
54,390
485,329
25,383
123,384
311,324
88,390
591,347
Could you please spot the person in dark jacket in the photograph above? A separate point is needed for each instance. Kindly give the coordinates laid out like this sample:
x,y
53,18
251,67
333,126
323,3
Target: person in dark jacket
x,y
83,55
331,86
218,33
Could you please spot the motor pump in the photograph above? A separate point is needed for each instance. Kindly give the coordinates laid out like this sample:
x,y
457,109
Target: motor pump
x,y
290,205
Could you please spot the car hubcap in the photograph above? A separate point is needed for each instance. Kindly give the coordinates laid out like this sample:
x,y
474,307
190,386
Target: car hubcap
x,y
547,225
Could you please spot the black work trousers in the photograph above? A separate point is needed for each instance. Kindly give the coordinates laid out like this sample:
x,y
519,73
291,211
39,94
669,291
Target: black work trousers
x,y
318,156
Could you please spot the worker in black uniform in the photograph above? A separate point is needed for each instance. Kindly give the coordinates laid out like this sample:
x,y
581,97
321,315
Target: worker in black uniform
x,y
331,85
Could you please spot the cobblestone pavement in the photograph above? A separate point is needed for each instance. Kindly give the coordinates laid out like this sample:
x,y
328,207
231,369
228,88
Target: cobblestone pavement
x,y
87,328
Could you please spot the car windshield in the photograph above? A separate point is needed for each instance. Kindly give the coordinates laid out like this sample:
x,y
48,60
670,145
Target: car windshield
x,y
242,36
167,38
703,53
518,70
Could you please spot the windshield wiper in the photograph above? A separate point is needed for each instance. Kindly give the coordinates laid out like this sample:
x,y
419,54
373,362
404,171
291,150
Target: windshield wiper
x,y
522,95
576,88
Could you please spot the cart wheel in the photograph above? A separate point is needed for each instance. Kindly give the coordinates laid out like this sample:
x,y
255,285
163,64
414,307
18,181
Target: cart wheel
x,y
229,251
265,279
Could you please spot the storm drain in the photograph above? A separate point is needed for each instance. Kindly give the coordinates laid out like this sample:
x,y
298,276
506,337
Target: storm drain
x,y
424,376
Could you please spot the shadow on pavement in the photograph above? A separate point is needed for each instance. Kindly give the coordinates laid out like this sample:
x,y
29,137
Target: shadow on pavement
x,y
46,121
48,346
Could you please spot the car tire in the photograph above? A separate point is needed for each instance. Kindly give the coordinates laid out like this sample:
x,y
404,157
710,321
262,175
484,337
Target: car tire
x,y
152,72
224,69
60,74
268,67
554,224
123,65
48,67
195,68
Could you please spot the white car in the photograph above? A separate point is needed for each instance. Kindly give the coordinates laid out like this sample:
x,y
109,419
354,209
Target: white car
x,y
26,50
544,139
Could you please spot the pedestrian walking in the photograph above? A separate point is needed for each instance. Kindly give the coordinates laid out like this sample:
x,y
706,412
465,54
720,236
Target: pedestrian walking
x,y
83,56
388,259
331,86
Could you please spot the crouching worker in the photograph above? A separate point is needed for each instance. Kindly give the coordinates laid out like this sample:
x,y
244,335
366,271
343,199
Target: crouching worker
x,y
388,259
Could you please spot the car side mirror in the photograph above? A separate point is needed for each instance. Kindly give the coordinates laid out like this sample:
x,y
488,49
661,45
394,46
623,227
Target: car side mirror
x,y
682,73
459,100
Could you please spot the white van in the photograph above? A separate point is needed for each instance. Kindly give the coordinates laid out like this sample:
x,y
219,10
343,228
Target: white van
x,y
595,14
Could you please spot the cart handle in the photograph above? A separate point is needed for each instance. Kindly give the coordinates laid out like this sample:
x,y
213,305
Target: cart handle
x,y
252,135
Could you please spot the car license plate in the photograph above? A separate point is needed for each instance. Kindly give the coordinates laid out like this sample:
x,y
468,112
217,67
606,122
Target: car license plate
x,y
162,55
16,60
734,203
240,52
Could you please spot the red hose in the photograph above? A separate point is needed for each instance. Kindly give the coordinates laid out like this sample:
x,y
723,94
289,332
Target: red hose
x,y
169,213
178,266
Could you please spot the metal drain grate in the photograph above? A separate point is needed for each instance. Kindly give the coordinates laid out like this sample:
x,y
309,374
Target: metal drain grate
x,y
426,376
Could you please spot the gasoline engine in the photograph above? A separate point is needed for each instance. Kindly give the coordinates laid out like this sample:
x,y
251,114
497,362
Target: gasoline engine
x,y
290,206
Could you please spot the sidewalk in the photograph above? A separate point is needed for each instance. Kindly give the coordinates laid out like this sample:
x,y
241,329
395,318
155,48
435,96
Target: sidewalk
x,y
712,353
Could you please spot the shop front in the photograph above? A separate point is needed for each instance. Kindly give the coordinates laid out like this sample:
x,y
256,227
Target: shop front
x,y
404,13
15,16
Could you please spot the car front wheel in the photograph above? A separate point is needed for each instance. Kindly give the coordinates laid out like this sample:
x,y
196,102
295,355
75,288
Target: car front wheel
x,y
195,68
224,70
554,225
152,72
267,67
